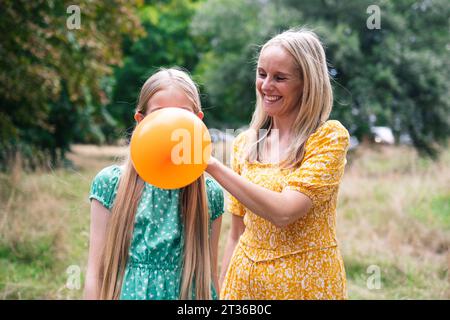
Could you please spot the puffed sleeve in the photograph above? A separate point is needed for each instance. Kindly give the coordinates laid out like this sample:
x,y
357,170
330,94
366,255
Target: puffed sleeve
x,y
234,206
322,168
215,198
104,186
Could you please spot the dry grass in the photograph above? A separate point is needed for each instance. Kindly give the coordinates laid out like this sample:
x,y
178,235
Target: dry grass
x,y
44,221
393,213
388,217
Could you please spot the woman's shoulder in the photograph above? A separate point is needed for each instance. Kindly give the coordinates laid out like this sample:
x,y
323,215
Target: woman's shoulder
x,y
334,126
242,141
330,134
330,129
241,138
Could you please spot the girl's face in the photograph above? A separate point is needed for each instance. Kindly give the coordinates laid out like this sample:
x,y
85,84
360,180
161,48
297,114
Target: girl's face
x,y
278,81
170,97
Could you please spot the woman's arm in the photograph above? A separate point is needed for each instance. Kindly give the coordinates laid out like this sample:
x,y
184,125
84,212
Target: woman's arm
x,y
259,200
215,233
99,221
236,230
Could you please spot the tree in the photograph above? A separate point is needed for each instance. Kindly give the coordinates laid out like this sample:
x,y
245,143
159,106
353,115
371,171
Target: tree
x,y
393,76
51,75
167,43
234,30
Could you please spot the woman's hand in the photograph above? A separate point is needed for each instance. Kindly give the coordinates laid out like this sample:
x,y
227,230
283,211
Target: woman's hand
x,y
213,164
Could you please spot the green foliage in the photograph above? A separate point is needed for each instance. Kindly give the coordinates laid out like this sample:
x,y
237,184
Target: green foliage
x,y
234,30
59,86
51,76
167,43
395,76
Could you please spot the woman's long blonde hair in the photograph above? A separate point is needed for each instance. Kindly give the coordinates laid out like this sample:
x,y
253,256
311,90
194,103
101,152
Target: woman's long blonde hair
x,y
315,103
197,266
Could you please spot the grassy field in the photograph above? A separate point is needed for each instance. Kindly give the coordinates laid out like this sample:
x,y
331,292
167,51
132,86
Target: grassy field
x,y
393,225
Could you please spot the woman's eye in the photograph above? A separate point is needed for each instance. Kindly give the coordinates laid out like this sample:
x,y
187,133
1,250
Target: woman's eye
x,y
262,75
280,78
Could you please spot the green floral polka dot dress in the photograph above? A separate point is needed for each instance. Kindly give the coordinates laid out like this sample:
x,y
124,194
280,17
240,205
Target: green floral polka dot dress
x,y
153,269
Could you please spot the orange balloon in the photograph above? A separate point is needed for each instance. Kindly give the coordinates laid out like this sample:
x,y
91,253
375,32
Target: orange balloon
x,y
170,148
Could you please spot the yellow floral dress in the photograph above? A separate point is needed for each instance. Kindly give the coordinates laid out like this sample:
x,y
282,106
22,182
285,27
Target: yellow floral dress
x,y
301,260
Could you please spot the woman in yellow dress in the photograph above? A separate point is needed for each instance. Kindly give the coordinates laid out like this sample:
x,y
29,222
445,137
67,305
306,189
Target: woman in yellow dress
x,y
284,181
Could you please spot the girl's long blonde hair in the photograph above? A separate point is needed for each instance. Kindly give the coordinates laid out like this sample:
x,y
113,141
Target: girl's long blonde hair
x,y
197,266
316,101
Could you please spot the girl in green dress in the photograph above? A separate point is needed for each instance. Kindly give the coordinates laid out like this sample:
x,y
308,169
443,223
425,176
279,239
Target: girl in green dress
x,y
147,242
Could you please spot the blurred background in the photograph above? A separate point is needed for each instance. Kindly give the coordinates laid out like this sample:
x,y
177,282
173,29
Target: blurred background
x,y
70,74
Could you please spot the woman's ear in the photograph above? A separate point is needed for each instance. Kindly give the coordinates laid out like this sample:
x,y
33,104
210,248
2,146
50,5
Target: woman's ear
x,y
138,117
200,114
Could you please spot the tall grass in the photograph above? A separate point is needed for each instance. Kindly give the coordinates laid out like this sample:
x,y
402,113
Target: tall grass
x,y
44,226
389,217
393,216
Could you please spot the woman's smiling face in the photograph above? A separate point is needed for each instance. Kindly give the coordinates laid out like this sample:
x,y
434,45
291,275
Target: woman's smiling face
x,y
278,81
